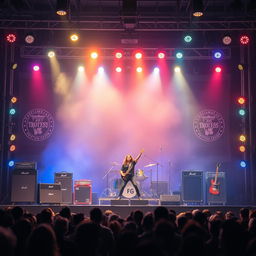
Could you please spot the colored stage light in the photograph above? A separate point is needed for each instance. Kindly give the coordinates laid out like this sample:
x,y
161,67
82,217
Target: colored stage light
x,y
11,163
138,55
242,149
197,8
177,69
161,55
51,54
240,67
217,55
241,112
74,37
242,138
14,66
118,55
227,40
14,100
118,69
80,68
62,7
29,39
243,164
179,55
12,137
241,100
218,69
12,148
101,70
244,39
188,38
156,70
12,111
94,55
36,68
139,69
11,38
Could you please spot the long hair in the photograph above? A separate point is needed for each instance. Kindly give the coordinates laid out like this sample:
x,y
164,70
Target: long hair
x,y
126,161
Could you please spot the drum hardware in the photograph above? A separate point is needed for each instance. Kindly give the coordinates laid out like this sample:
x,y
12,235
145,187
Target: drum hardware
x,y
150,165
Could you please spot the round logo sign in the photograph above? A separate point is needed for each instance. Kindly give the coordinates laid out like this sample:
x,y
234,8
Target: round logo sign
x,y
209,125
38,124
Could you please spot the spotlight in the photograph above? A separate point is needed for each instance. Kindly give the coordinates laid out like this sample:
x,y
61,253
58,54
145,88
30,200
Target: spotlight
x,y
81,68
101,70
12,137
217,54
240,67
94,55
51,54
118,69
177,69
241,112
11,163
36,68
74,37
242,138
242,149
161,55
241,100
227,40
138,55
118,55
188,39
12,148
11,38
156,70
14,66
12,111
218,69
62,7
14,99
243,164
198,8
244,39
139,69
179,55
29,39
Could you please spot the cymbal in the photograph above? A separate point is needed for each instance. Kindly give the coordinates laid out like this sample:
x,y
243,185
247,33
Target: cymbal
x,y
115,163
149,165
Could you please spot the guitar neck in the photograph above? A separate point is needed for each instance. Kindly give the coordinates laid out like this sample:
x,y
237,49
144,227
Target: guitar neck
x,y
216,174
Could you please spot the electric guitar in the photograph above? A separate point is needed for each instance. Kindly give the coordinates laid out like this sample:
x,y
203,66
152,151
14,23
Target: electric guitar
x,y
214,188
124,175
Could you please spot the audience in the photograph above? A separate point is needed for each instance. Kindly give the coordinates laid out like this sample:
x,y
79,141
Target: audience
x,y
161,233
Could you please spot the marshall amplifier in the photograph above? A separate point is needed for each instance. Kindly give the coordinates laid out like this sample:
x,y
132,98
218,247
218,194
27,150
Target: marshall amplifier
x,y
25,166
49,193
24,183
83,193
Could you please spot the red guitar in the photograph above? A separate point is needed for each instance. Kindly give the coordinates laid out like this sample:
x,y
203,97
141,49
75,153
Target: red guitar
x,y
214,187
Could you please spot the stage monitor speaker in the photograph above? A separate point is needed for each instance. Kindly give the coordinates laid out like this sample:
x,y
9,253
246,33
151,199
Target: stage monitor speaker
x,y
49,193
83,194
66,181
24,183
161,189
119,202
170,199
192,186
218,195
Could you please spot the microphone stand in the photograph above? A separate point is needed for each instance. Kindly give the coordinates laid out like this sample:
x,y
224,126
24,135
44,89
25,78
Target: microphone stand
x,y
106,175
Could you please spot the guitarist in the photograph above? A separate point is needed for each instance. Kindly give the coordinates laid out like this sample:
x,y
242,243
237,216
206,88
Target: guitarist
x,y
127,172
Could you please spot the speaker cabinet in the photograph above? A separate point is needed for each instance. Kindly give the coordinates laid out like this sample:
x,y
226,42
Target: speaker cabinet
x,y
66,181
83,194
49,193
216,194
24,183
170,199
192,186
159,188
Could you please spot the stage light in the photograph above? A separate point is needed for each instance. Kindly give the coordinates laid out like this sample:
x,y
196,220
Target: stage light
x,y
29,39
14,100
242,149
118,55
51,54
80,68
14,66
138,55
177,69
240,67
179,55
241,112
101,70
188,39
62,7
11,38
12,111
242,138
161,55
243,164
218,69
74,37
118,69
227,40
156,70
244,39
36,68
11,163
12,148
94,55
241,100
217,55
198,8
12,137
139,69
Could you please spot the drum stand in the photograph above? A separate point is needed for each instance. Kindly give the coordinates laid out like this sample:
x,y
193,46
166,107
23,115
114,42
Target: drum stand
x,y
108,190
